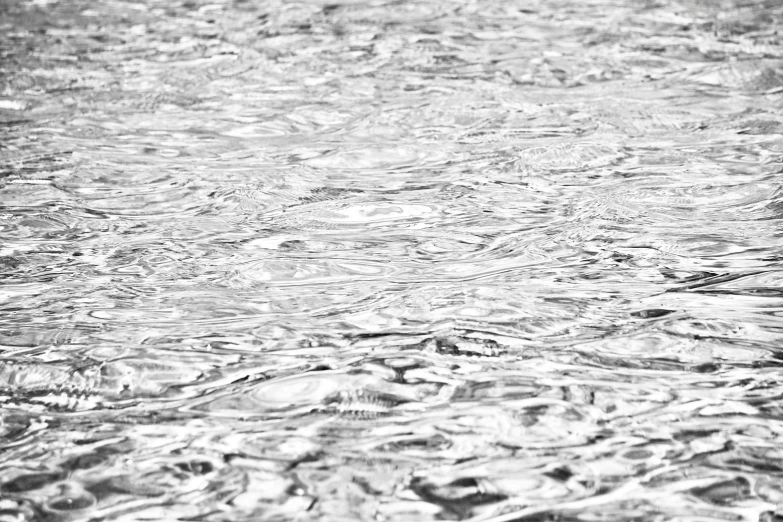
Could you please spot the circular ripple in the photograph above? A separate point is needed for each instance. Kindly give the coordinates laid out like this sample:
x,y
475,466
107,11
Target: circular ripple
x,y
750,75
339,215
309,391
301,271
133,192
531,424
569,157
377,158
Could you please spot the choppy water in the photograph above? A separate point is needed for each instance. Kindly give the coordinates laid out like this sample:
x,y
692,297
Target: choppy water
x,y
391,260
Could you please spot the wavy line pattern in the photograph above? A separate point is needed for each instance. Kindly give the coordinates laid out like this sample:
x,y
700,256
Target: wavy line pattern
x,y
391,260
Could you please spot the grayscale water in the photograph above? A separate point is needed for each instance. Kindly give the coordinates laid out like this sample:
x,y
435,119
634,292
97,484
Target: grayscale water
x,y
391,260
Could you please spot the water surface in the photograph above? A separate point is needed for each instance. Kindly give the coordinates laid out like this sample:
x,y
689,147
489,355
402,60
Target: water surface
x,y
391,260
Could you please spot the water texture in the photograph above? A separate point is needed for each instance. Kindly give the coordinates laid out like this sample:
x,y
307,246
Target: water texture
x,y
391,260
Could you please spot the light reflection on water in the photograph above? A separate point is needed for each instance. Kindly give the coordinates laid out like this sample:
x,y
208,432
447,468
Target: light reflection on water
x,y
396,261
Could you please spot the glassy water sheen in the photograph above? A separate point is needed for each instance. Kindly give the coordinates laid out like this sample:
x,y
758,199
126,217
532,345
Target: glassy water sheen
x,y
391,260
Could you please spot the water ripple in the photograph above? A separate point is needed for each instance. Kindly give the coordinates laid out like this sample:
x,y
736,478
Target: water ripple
x,y
396,261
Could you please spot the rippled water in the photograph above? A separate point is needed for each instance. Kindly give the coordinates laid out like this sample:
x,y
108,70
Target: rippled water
x,y
391,260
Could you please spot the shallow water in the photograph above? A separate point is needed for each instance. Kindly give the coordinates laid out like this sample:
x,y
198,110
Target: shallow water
x,y
391,260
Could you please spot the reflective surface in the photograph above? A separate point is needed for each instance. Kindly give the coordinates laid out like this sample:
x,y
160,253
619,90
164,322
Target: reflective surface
x,y
391,260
